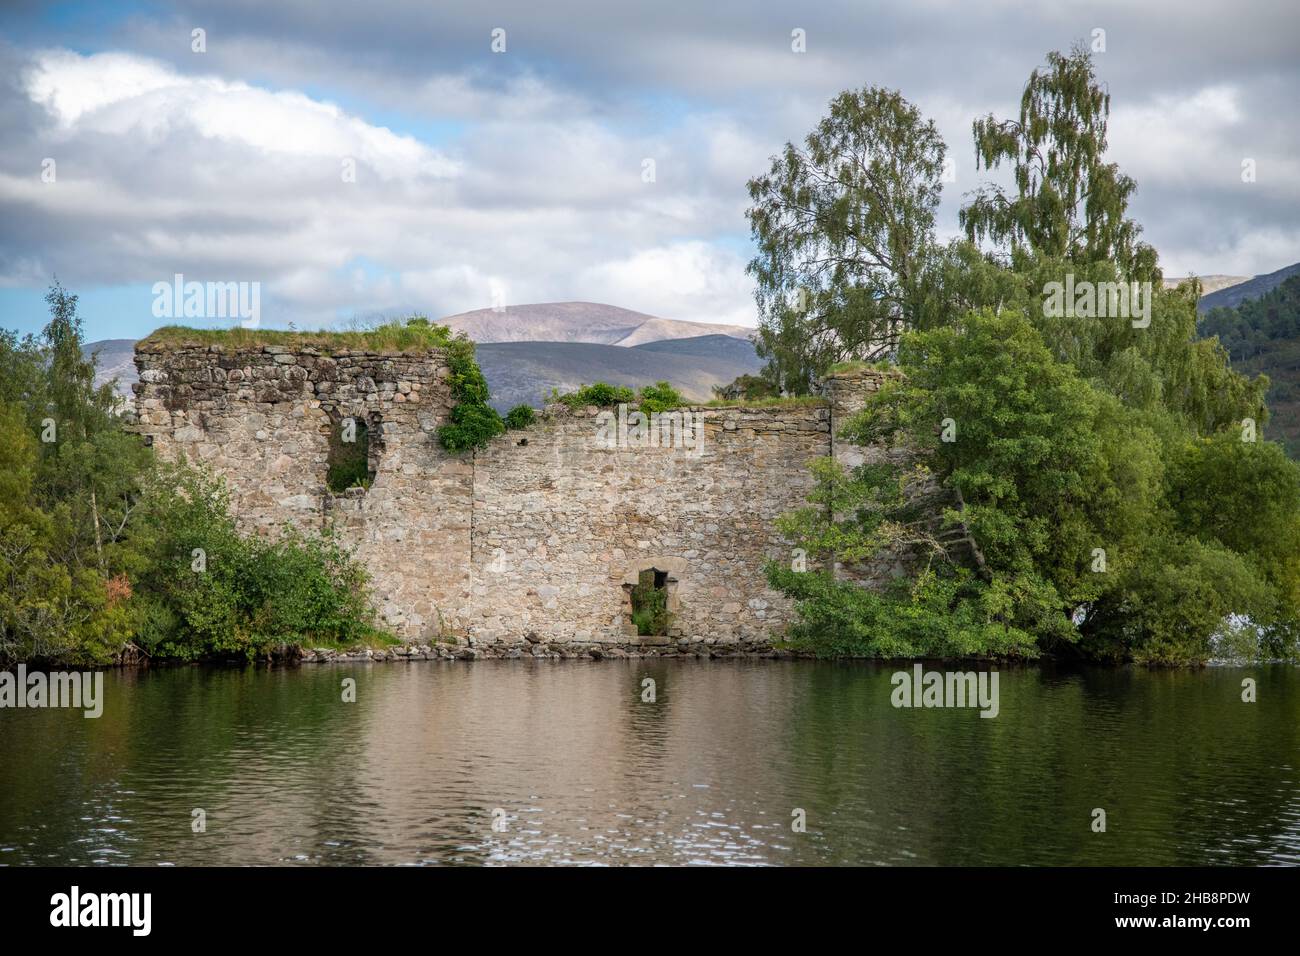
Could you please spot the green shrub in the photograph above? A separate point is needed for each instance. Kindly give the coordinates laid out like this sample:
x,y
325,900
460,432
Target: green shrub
x,y
600,394
521,416
348,462
949,614
473,422
470,426
660,397
649,606
209,590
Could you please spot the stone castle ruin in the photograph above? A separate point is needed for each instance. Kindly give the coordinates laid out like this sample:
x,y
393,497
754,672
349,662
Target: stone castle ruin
x,y
536,539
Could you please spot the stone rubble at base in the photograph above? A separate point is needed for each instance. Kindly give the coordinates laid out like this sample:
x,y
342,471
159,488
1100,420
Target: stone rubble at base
x,y
558,651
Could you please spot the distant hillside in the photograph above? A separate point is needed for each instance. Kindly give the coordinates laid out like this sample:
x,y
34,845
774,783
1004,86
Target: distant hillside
x,y
1234,295
116,359
521,373
721,347
579,322
1262,335
1209,284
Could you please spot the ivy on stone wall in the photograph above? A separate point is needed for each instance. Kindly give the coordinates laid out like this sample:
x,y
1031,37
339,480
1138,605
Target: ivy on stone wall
x,y
473,422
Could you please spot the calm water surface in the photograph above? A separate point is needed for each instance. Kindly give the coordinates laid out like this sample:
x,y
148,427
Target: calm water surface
x,y
585,772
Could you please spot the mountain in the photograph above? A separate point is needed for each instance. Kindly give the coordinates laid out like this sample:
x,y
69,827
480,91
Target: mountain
x,y
579,322
724,348
1262,335
522,373
1208,283
1234,295
116,358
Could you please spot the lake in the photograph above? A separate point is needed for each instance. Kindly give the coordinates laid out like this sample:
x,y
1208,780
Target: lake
x,y
717,769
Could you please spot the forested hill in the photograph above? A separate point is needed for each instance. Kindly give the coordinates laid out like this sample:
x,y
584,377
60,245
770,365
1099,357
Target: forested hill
x,y
1263,335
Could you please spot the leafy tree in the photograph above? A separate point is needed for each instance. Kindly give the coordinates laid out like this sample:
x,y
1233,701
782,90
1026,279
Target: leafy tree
x,y
1249,328
1070,521
96,538
1068,203
844,227
1037,469
1067,217
1262,335
1177,602
1159,365
946,613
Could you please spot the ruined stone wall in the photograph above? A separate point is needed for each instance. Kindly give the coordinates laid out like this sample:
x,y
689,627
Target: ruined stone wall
x,y
563,525
262,418
534,540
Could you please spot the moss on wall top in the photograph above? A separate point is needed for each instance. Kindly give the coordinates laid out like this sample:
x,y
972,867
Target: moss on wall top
x,y
415,335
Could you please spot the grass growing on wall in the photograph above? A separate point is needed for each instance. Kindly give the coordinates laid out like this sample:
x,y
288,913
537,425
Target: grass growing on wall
x,y
416,334
776,401
661,397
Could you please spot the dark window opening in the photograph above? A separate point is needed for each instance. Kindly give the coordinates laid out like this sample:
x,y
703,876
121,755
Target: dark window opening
x,y
650,603
349,456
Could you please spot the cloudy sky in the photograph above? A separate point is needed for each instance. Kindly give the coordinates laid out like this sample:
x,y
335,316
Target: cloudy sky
x,y
519,174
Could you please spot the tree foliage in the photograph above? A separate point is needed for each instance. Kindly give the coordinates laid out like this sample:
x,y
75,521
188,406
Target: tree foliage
x,y
1068,521
659,397
1068,202
844,228
97,540
1262,335
1069,483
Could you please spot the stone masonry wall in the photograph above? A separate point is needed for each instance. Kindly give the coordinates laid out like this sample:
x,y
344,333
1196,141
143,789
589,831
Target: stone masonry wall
x,y
535,539
262,418
563,525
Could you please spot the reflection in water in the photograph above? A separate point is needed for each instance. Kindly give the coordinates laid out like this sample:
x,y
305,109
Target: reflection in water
x,y
585,772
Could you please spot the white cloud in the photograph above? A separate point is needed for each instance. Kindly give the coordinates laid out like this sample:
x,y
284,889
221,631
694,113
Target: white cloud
x,y
533,183
686,280
122,95
162,172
